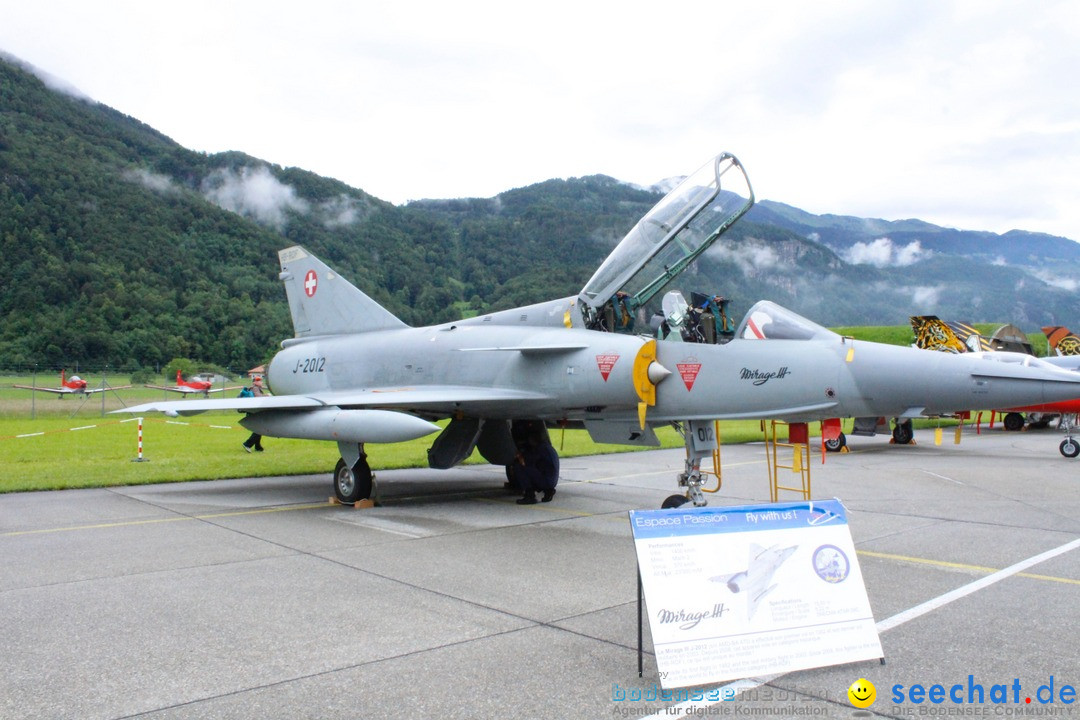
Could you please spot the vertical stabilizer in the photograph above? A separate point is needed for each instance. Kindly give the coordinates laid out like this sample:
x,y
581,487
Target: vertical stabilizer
x,y
324,303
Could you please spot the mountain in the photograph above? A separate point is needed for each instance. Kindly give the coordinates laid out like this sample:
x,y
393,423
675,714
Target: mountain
x,y
122,248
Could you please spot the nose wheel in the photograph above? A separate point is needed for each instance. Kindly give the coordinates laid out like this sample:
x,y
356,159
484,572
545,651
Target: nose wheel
x,y
700,442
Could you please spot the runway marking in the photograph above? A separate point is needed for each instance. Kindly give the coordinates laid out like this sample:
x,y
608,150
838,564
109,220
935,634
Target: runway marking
x,y
961,566
691,708
942,600
942,477
155,521
547,507
623,476
394,527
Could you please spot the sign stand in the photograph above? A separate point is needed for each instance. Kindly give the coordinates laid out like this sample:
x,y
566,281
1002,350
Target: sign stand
x,y
640,627
748,591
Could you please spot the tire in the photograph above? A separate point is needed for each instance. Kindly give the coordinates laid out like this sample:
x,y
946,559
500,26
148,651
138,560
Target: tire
x,y
674,501
351,485
1013,421
903,433
1069,448
836,445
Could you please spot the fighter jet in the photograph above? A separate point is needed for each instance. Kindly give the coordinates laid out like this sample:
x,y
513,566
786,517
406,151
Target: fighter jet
x,y
618,359
755,579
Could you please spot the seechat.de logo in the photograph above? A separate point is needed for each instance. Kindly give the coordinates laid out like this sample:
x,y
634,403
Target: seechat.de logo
x,y
862,693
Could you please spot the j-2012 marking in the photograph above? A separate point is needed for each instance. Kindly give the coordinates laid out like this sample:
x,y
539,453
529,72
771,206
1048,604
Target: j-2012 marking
x,y
310,365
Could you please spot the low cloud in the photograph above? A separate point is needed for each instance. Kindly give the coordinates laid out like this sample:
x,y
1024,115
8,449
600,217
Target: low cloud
x,y
342,211
749,258
254,193
884,253
51,81
151,180
1065,283
924,297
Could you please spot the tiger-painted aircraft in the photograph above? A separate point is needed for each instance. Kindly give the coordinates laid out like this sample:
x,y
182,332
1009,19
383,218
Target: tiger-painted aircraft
x,y
932,333
354,373
1062,340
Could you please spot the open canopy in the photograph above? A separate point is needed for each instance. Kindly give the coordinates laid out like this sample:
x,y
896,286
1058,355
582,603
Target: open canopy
x,y
668,238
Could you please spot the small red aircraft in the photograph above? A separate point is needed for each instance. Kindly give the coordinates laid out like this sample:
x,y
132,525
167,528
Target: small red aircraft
x,y
189,387
73,386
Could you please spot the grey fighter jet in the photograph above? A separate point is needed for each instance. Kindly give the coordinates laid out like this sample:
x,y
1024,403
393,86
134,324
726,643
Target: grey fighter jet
x,y
620,358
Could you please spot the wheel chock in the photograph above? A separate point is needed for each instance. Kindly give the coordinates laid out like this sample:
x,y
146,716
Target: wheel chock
x,y
358,505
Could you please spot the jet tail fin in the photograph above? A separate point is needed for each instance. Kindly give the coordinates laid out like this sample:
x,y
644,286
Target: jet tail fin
x,y
932,333
1062,341
324,303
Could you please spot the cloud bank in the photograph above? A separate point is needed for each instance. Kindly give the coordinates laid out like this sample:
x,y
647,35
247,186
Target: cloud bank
x,y
254,193
884,253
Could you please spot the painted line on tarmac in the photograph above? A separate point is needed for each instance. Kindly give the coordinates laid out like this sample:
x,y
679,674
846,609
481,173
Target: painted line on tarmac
x,y
964,591
692,708
961,566
155,521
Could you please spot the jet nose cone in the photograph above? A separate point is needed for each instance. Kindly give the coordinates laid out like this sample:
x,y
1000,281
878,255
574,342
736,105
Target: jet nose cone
x,y
657,372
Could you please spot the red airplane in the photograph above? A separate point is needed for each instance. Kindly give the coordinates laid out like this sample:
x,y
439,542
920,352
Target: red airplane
x,y
188,387
75,386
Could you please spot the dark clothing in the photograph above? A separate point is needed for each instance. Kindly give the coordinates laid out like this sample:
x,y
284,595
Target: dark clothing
x,y
255,441
540,469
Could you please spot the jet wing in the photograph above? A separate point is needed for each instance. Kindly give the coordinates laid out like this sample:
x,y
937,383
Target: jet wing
x,y
429,397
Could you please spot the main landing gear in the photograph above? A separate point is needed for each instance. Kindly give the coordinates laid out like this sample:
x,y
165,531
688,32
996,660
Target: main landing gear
x,y
903,433
1069,447
353,479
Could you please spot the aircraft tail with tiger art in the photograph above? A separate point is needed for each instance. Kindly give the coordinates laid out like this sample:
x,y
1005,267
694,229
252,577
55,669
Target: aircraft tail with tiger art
x,y
1062,340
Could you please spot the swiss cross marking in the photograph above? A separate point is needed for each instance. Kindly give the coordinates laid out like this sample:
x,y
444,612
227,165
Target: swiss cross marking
x,y
311,281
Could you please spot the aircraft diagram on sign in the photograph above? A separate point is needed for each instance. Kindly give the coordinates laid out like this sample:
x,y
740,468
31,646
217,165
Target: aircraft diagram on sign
x,y
755,580
192,387
355,374
74,385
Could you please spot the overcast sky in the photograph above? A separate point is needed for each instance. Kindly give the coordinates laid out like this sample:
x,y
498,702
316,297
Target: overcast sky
x,y
965,114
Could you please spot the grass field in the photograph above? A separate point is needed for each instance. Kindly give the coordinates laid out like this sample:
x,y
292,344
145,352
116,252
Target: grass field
x,y
58,453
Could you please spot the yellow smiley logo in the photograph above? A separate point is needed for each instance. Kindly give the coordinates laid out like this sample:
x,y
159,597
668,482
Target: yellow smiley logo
x,y
862,693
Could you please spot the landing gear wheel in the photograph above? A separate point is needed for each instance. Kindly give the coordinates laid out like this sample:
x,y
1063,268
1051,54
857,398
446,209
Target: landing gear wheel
x,y
903,433
1013,421
1069,448
674,501
351,485
836,444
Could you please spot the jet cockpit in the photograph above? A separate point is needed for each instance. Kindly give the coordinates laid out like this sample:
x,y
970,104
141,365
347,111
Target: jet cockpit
x,y
663,244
